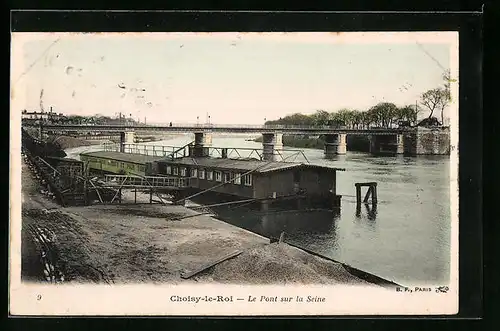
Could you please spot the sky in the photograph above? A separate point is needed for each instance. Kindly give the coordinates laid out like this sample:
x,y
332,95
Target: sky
x,y
235,78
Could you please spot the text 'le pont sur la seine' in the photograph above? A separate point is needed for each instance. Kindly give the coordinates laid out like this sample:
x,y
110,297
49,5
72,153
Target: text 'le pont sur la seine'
x,y
250,298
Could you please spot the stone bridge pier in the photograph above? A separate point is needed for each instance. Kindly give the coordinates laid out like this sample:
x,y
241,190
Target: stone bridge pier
x,y
387,144
126,137
271,142
335,144
202,143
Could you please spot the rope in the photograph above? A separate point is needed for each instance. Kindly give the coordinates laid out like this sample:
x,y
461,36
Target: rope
x,y
224,203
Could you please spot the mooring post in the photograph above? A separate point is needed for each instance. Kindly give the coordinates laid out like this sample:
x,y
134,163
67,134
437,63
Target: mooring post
x,y
135,195
151,196
372,191
368,193
120,196
358,210
358,193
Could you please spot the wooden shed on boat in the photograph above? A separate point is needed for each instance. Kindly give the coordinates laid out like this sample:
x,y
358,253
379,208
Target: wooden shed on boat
x,y
252,178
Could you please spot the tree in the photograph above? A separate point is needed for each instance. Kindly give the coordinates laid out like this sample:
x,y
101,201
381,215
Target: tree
x,y
356,118
344,117
383,114
366,119
408,114
436,99
320,118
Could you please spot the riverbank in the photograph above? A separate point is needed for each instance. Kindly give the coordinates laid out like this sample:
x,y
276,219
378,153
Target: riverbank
x,y
64,142
154,244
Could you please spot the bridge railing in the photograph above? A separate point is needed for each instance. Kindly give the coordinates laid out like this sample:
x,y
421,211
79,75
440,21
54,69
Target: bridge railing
x,y
226,126
240,126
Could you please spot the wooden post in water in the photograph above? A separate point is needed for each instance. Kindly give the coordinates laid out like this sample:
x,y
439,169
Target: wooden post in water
x,y
358,193
135,195
151,196
368,193
372,192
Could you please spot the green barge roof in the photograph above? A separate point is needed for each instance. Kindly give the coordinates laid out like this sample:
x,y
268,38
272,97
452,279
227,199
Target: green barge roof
x,y
124,157
236,164
244,164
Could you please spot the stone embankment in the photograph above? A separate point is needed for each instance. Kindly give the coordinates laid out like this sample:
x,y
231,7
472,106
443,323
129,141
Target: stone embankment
x,y
64,142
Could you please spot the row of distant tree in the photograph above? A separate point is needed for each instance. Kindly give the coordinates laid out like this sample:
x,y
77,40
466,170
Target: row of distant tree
x,y
96,120
384,114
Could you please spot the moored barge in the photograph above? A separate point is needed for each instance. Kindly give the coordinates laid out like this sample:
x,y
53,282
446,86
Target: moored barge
x,y
275,183
267,181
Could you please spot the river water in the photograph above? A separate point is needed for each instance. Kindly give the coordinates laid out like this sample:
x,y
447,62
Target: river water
x,y
406,239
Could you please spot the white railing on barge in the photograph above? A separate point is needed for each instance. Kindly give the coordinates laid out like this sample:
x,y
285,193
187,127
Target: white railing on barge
x,y
146,149
127,181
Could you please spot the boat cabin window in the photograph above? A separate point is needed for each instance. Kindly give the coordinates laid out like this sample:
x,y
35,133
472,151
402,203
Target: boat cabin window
x,y
247,180
227,177
169,170
183,172
201,174
175,171
194,172
237,178
218,176
210,175
130,166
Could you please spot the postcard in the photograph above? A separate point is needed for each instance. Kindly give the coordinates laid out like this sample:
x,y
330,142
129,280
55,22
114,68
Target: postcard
x,y
231,174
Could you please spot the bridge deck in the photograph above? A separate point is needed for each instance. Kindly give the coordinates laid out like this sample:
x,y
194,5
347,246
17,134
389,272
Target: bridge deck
x,y
223,128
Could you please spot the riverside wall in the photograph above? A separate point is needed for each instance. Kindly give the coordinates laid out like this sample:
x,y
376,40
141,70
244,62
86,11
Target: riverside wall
x,y
429,141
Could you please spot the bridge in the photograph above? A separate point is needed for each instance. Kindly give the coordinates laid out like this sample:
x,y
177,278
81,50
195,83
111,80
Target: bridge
x,y
382,140
231,128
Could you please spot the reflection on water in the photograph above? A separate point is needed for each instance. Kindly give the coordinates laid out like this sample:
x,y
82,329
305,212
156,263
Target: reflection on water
x,y
371,211
272,223
404,238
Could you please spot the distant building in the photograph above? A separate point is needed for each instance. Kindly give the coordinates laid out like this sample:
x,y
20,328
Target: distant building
x,y
41,116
